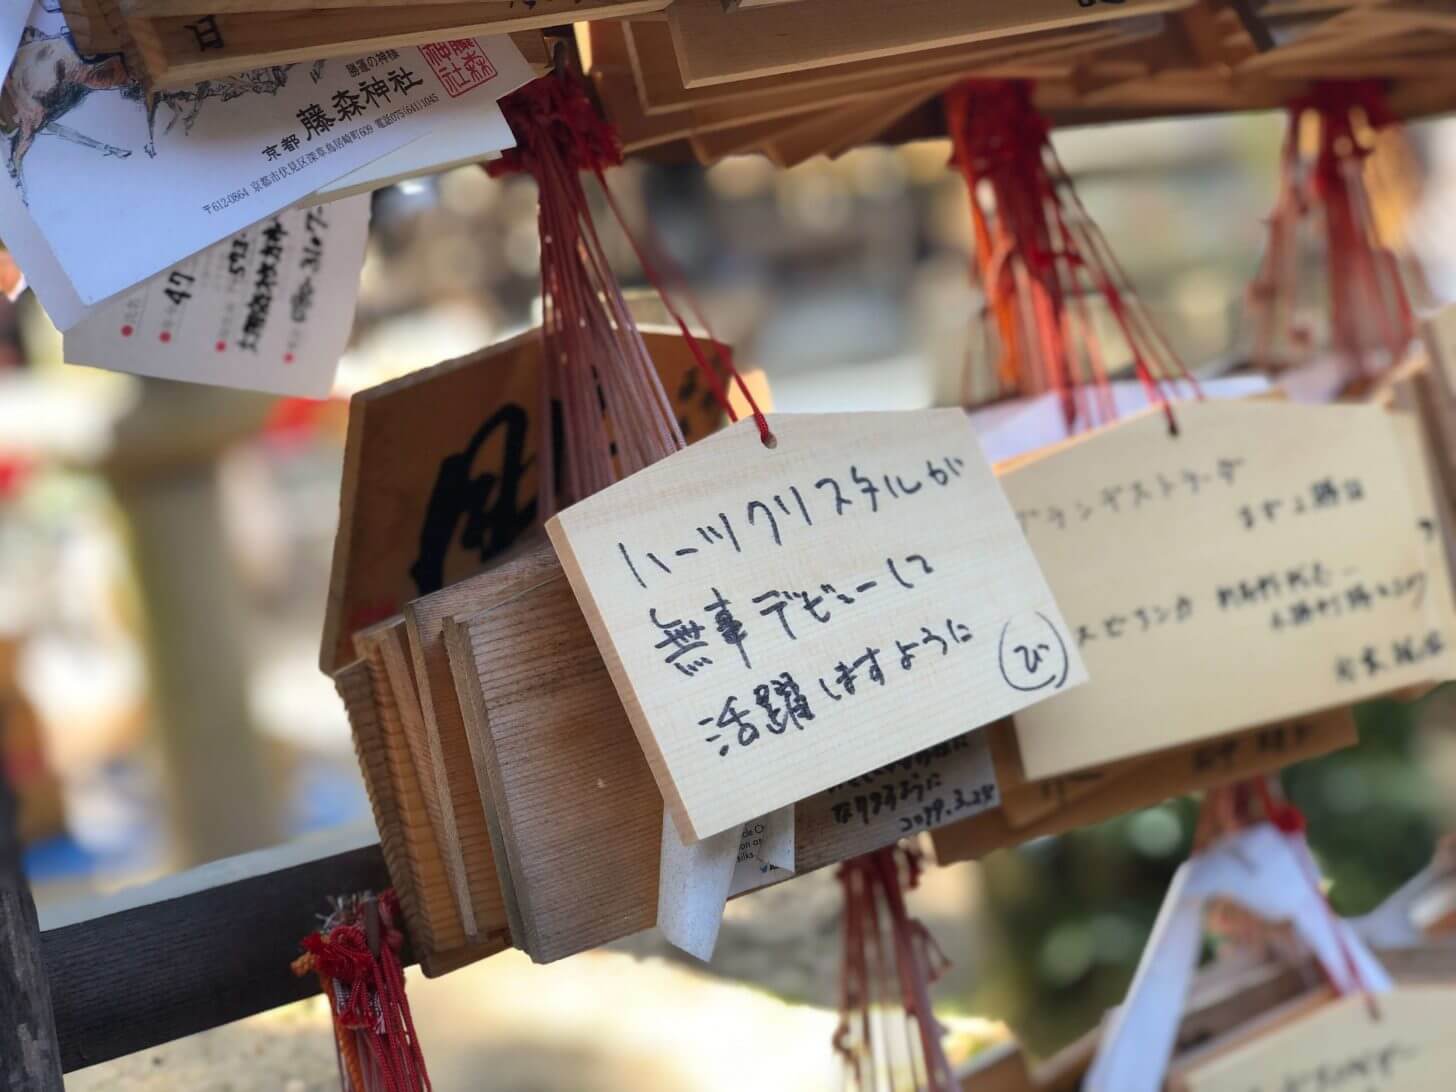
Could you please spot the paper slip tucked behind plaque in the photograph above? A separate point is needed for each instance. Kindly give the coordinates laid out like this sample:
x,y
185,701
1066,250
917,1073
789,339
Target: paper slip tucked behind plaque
x,y
269,309
1264,563
779,620
119,191
1407,1048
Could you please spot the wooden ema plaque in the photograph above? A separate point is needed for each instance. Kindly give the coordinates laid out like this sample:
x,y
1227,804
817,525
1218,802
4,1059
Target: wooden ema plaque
x,y
1270,560
1094,795
1405,1046
410,851
416,768
579,816
182,45
714,47
578,812
778,620
440,475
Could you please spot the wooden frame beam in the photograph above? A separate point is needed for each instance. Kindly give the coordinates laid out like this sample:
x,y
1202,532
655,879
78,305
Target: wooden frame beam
x,y
195,950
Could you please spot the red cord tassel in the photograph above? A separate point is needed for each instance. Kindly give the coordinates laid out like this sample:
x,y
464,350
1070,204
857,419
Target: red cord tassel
x,y
1370,314
356,958
887,1033
1040,259
595,357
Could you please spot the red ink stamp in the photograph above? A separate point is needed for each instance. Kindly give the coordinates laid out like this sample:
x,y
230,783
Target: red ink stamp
x,y
460,64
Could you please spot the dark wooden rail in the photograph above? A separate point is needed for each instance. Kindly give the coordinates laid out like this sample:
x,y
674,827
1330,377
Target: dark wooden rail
x,y
193,951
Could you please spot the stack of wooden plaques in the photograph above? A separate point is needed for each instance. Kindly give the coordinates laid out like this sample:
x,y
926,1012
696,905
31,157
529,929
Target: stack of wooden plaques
x,y
516,806
794,78
806,77
175,45
440,483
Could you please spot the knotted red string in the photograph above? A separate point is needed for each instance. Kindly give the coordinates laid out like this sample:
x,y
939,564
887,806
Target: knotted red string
x,y
889,962
589,332
365,988
1040,258
1371,318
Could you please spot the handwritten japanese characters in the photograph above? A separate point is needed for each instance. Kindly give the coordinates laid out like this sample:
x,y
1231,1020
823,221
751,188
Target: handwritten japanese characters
x,y
268,309
779,620
1269,561
1339,1046
952,780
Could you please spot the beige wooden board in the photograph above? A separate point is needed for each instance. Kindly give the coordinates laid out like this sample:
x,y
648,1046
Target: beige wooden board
x,y
1179,770
838,130
1439,333
709,148
1408,1049
639,131
396,817
441,890
440,475
560,9
717,538
1002,1068
94,24
646,47
1264,563
176,54
1432,510
444,724
1024,801
580,817
1271,1022
1423,396
578,807
715,47
356,690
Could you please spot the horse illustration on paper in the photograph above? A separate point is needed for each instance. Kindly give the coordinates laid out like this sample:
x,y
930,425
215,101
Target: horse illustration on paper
x,y
50,77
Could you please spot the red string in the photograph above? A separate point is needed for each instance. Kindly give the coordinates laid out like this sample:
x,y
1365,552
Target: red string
x,y
902,964
559,128
1040,258
366,993
1369,308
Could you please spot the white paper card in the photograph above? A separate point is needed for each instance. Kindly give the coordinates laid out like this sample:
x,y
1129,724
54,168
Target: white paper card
x,y
693,888
765,852
120,192
268,309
